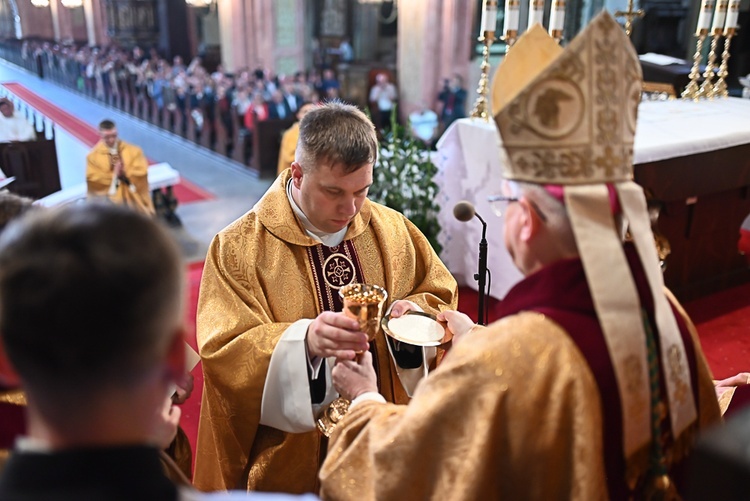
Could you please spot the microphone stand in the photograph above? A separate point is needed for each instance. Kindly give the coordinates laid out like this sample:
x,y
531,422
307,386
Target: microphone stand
x,y
481,275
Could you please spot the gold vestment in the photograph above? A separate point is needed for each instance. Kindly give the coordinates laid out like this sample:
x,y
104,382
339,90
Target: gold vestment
x,y
512,412
256,282
288,147
99,176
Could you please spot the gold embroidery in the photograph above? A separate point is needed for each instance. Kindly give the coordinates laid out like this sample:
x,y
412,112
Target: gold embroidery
x,y
338,271
674,357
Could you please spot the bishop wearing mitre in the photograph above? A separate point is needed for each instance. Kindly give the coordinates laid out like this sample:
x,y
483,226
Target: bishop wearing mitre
x,y
592,385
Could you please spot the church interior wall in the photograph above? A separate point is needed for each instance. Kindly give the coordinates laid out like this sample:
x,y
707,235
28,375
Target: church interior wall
x,y
35,21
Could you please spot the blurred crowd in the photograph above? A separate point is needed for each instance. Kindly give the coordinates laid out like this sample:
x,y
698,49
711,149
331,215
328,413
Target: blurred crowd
x,y
191,88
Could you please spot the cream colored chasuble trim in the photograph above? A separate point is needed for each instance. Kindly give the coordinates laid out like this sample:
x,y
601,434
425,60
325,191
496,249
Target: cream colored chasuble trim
x,y
619,310
682,409
616,302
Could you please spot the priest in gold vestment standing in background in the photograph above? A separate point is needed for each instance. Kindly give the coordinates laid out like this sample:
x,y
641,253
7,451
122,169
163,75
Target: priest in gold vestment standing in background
x,y
269,314
592,385
118,171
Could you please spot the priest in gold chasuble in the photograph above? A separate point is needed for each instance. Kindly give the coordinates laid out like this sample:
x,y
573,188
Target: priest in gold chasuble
x,y
267,331
592,385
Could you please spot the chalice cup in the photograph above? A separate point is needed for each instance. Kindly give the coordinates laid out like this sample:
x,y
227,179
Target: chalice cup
x,y
364,303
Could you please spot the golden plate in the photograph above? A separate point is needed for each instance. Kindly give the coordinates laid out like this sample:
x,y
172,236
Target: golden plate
x,y
417,328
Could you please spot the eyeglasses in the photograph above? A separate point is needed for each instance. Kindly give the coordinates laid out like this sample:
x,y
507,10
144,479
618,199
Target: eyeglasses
x,y
499,204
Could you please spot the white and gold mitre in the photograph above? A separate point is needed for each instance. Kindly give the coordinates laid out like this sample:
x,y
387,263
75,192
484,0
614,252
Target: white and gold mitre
x,y
568,116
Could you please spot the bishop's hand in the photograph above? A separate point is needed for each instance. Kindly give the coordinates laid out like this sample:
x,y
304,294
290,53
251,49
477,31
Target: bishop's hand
x,y
458,323
352,378
335,335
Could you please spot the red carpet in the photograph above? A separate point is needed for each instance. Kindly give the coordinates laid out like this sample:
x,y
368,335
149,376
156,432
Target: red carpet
x,y
722,320
185,192
191,408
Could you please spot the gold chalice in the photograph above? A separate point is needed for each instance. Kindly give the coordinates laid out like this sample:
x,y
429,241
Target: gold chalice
x,y
364,303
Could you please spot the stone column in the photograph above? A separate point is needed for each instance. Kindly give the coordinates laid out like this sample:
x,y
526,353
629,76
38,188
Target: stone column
x,y
54,7
233,33
262,34
64,21
434,41
96,26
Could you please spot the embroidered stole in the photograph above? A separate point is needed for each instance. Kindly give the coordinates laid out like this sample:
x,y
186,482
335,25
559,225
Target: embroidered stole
x,y
333,268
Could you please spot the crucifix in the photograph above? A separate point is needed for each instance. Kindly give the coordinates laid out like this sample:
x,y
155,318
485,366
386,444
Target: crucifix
x,y
629,15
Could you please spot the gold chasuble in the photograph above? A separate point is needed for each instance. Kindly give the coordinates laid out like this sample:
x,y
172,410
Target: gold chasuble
x,y
99,176
263,273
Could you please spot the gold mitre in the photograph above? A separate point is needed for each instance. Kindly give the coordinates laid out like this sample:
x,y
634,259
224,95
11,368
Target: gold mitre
x,y
568,116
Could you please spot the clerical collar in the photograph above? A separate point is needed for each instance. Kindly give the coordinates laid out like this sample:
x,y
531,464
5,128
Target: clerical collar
x,y
327,239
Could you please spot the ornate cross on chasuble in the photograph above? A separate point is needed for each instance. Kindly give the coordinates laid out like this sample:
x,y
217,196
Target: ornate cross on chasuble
x,y
332,269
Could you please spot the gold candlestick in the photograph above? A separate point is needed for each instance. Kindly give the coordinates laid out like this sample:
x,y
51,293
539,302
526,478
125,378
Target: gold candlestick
x,y
707,87
510,38
693,90
720,88
480,106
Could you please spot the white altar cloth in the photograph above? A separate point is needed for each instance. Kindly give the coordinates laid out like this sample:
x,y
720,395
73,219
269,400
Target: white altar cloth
x,y
469,161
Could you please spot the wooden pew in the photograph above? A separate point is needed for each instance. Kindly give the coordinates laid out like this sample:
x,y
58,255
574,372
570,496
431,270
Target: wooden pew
x,y
266,145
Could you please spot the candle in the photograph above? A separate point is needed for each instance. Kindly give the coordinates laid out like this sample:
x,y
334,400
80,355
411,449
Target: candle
x,y
704,18
733,13
557,16
719,16
511,15
536,12
489,17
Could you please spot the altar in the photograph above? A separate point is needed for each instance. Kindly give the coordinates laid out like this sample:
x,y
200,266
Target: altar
x,y
693,158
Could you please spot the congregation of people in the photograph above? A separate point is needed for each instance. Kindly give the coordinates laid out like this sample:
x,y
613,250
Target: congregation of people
x,y
591,385
237,100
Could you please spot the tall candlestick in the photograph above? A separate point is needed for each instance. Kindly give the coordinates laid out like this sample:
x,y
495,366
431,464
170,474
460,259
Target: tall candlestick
x,y
511,15
720,15
510,29
557,19
693,90
733,12
536,12
730,27
720,88
704,18
489,17
707,87
486,36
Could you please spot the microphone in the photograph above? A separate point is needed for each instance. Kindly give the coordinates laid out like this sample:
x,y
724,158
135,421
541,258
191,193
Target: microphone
x,y
464,211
